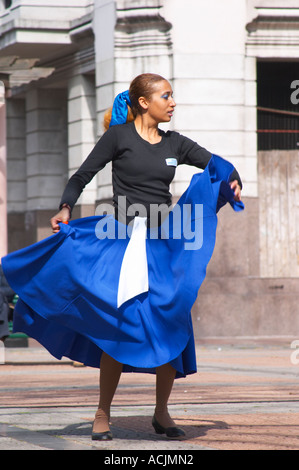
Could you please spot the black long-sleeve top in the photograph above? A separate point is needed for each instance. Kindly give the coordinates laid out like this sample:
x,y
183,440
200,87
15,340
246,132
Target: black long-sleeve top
x,y
142,172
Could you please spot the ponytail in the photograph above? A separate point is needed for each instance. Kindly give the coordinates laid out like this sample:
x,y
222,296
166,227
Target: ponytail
x,y
119,112
108,117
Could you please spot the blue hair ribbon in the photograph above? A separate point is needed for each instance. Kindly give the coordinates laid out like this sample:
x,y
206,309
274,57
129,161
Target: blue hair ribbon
x,y
120,108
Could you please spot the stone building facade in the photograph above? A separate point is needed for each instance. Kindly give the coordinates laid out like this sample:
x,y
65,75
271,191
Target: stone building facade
x,y
63,61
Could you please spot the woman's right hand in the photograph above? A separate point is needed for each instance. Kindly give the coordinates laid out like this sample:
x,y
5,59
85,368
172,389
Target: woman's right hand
x,y
63,216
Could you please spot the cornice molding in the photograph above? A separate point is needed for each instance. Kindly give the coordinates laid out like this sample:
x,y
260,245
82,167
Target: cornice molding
x,y
142,29
273,32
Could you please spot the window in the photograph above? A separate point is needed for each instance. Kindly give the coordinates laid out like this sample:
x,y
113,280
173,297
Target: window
x,y
278,114
7,3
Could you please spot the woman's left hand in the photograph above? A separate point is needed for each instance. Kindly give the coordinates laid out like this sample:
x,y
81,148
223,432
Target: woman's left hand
x,y
237,190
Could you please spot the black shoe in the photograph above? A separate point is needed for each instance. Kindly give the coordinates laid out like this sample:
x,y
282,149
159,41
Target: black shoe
x,y
102,436
172,432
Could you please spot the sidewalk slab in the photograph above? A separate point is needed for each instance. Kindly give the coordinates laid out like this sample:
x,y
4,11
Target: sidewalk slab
x,y
241,398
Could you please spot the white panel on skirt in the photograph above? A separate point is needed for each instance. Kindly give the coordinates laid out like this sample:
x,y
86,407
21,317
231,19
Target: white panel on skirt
x,y
133,279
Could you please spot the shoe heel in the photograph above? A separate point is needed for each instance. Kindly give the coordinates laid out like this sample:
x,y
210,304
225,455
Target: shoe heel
x,y
157,427
172,432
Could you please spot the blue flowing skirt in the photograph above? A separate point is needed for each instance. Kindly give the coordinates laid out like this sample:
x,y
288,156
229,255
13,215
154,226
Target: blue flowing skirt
x,y
68,283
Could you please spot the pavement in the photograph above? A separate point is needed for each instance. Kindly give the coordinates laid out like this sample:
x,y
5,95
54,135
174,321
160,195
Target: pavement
x,y
243,397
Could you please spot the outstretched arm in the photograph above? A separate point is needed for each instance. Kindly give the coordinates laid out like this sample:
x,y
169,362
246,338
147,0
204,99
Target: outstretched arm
x,y
102,153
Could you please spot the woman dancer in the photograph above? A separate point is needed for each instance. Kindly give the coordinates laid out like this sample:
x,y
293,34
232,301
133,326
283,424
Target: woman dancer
x,y
125,289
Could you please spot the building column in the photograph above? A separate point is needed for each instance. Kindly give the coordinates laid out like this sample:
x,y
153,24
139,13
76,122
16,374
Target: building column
x,y
16,156
16,174
3,196
82,135
46,157
104,27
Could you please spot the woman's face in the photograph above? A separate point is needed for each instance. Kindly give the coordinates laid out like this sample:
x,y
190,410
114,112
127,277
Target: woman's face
x,y
161,104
